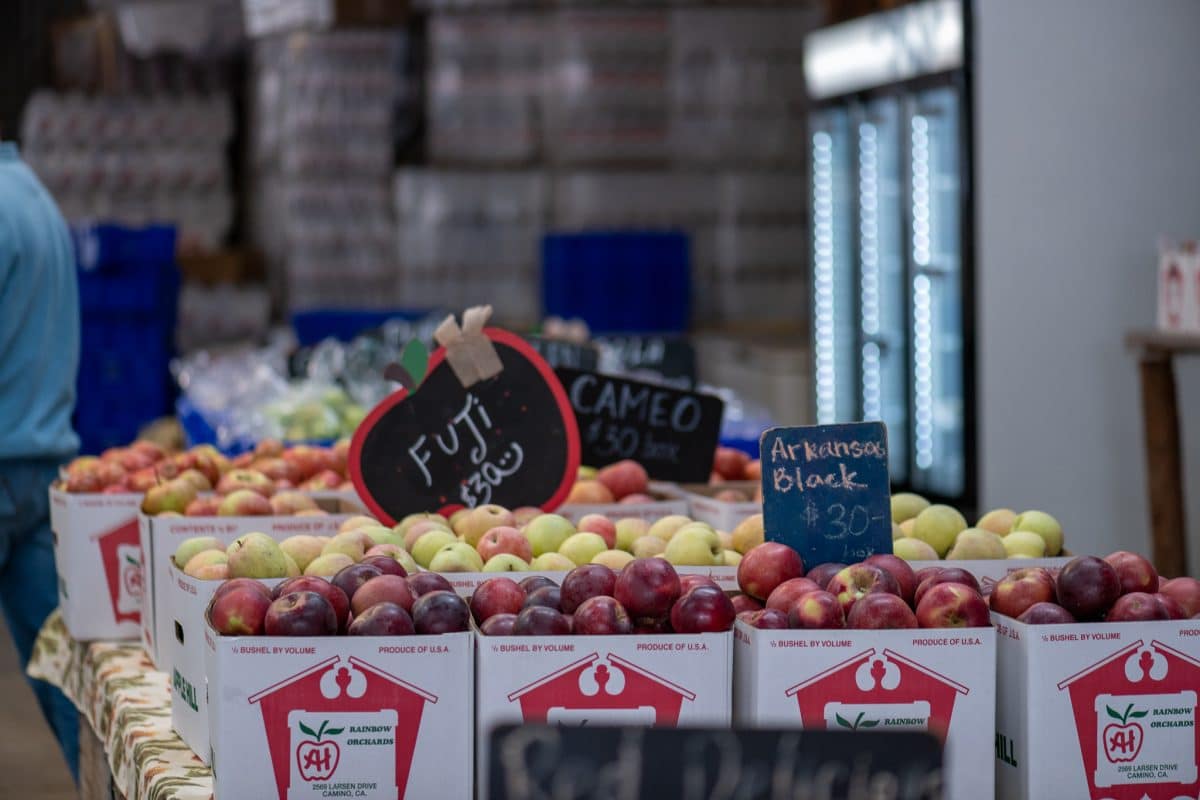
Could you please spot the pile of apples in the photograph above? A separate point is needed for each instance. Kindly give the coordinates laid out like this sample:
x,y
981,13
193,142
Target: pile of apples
x,y
270,481
1121,587
122,470
623,482
374,598
359,539
647,595
925,532
882,592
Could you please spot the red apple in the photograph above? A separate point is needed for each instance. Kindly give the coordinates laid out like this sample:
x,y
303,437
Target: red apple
x,y
426,582
240,610
350,578
899,569
703,610
326,480
385,563
765,566
765,619
504,539
600,525
382,619
277,469
1170,606
441,612
952,605
1087,587
816,611
630,499
1020,589
731,496
336,598
945,575
624,478
203,506
251,583
382,589
544,596
534,582
584,582
1136,607
1046,614
789,592
692,580
602,616
1135,573
499,625
300,614
1186,592
541,621
647,588
245,479
244,503
496,596
859,580
730,463
744,602
925,572
821,573
882,611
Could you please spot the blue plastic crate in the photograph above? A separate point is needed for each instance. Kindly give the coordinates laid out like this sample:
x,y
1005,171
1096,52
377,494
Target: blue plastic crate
x,y
619,282
316,325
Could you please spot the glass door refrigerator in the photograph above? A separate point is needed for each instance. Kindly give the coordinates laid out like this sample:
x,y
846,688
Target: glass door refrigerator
x,y
891,302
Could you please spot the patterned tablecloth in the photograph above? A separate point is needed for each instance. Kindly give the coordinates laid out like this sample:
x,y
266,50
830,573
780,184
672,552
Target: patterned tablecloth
x,y
128,703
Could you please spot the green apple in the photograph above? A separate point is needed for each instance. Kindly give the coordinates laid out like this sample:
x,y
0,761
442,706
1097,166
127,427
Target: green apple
x,y
628,531
349,543
976,544
552,562
505,562
585,473
381,535
302,548
456,557
937,526
197,544
403,525
360,521
1043,525
695,545
405,559
906,527
478,521
897,532
665,528
907,505
293,569
197,564
256,555
422,527
547,532
732,558
999,521
1024,544
427,546
913,550
613,559
583,547
326,566
748,533
648,546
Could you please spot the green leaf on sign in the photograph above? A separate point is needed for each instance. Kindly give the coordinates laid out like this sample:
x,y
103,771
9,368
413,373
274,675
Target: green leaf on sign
x,y
843,722
1138,714
1114,714
334,731
871,723
132,560
305,729
415,359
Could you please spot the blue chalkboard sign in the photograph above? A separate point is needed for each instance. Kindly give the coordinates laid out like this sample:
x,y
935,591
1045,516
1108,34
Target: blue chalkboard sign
x,y
826,490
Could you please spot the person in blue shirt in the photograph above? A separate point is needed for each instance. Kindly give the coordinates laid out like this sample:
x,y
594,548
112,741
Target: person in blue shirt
x,y
39,357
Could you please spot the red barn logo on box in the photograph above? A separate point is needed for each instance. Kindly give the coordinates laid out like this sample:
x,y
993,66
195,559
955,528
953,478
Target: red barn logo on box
x,y
1135,716
342,726
121,555
592,692
883,691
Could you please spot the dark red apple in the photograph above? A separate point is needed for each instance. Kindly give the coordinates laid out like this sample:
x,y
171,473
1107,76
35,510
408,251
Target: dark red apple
x,y
250,583
859,580
1169,606
925,572
546,596
1087,587
692,580
952,605
499,625
789,592
765,566
382,589
881,611
1135,573
382,619
585,582
821,573
899,569
441,612
534,582
945,575
1046,614
351,577
386,564
426,582
240,610
496,596
647,588
541,621
765,619
1020,589
817,611
311,583
704,609
300,614
1136,607
744,602
1186,592
601,616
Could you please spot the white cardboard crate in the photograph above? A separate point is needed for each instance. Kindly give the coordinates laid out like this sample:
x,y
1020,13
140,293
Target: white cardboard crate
x,y
721,514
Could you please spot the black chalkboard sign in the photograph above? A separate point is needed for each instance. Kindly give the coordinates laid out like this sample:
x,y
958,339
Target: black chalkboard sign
x,y
510,439
672,433
826,490
561,353
540,761
668,356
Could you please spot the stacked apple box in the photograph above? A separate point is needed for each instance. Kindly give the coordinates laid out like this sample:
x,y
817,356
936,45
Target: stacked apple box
x,y
341,716
664,499
723,505
99,559
941,680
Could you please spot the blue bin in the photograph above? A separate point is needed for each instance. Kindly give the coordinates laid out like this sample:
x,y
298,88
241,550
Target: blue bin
x,y
319,324
618,282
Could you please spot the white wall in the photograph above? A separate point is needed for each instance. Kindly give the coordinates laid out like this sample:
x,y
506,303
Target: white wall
x,y
1088,148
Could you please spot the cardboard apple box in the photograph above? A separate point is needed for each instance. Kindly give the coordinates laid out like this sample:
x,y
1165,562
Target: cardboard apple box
x,y
341,716
990,570
669,681
161,537
465,583
669,499
939,680
99,560
1106,711
723,515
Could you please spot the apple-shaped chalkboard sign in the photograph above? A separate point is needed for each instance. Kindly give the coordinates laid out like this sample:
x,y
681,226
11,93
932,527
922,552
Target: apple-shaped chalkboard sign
x,y
509,438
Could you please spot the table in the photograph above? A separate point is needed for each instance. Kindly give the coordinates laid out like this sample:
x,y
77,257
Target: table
x,y
127,704
1164,461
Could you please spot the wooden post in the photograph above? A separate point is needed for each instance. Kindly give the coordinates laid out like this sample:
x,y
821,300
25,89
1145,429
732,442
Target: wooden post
x,y
1164,463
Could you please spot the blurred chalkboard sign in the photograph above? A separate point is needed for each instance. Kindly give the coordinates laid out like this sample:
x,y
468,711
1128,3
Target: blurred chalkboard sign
x,y
826,491
540,761
561,353
672,357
